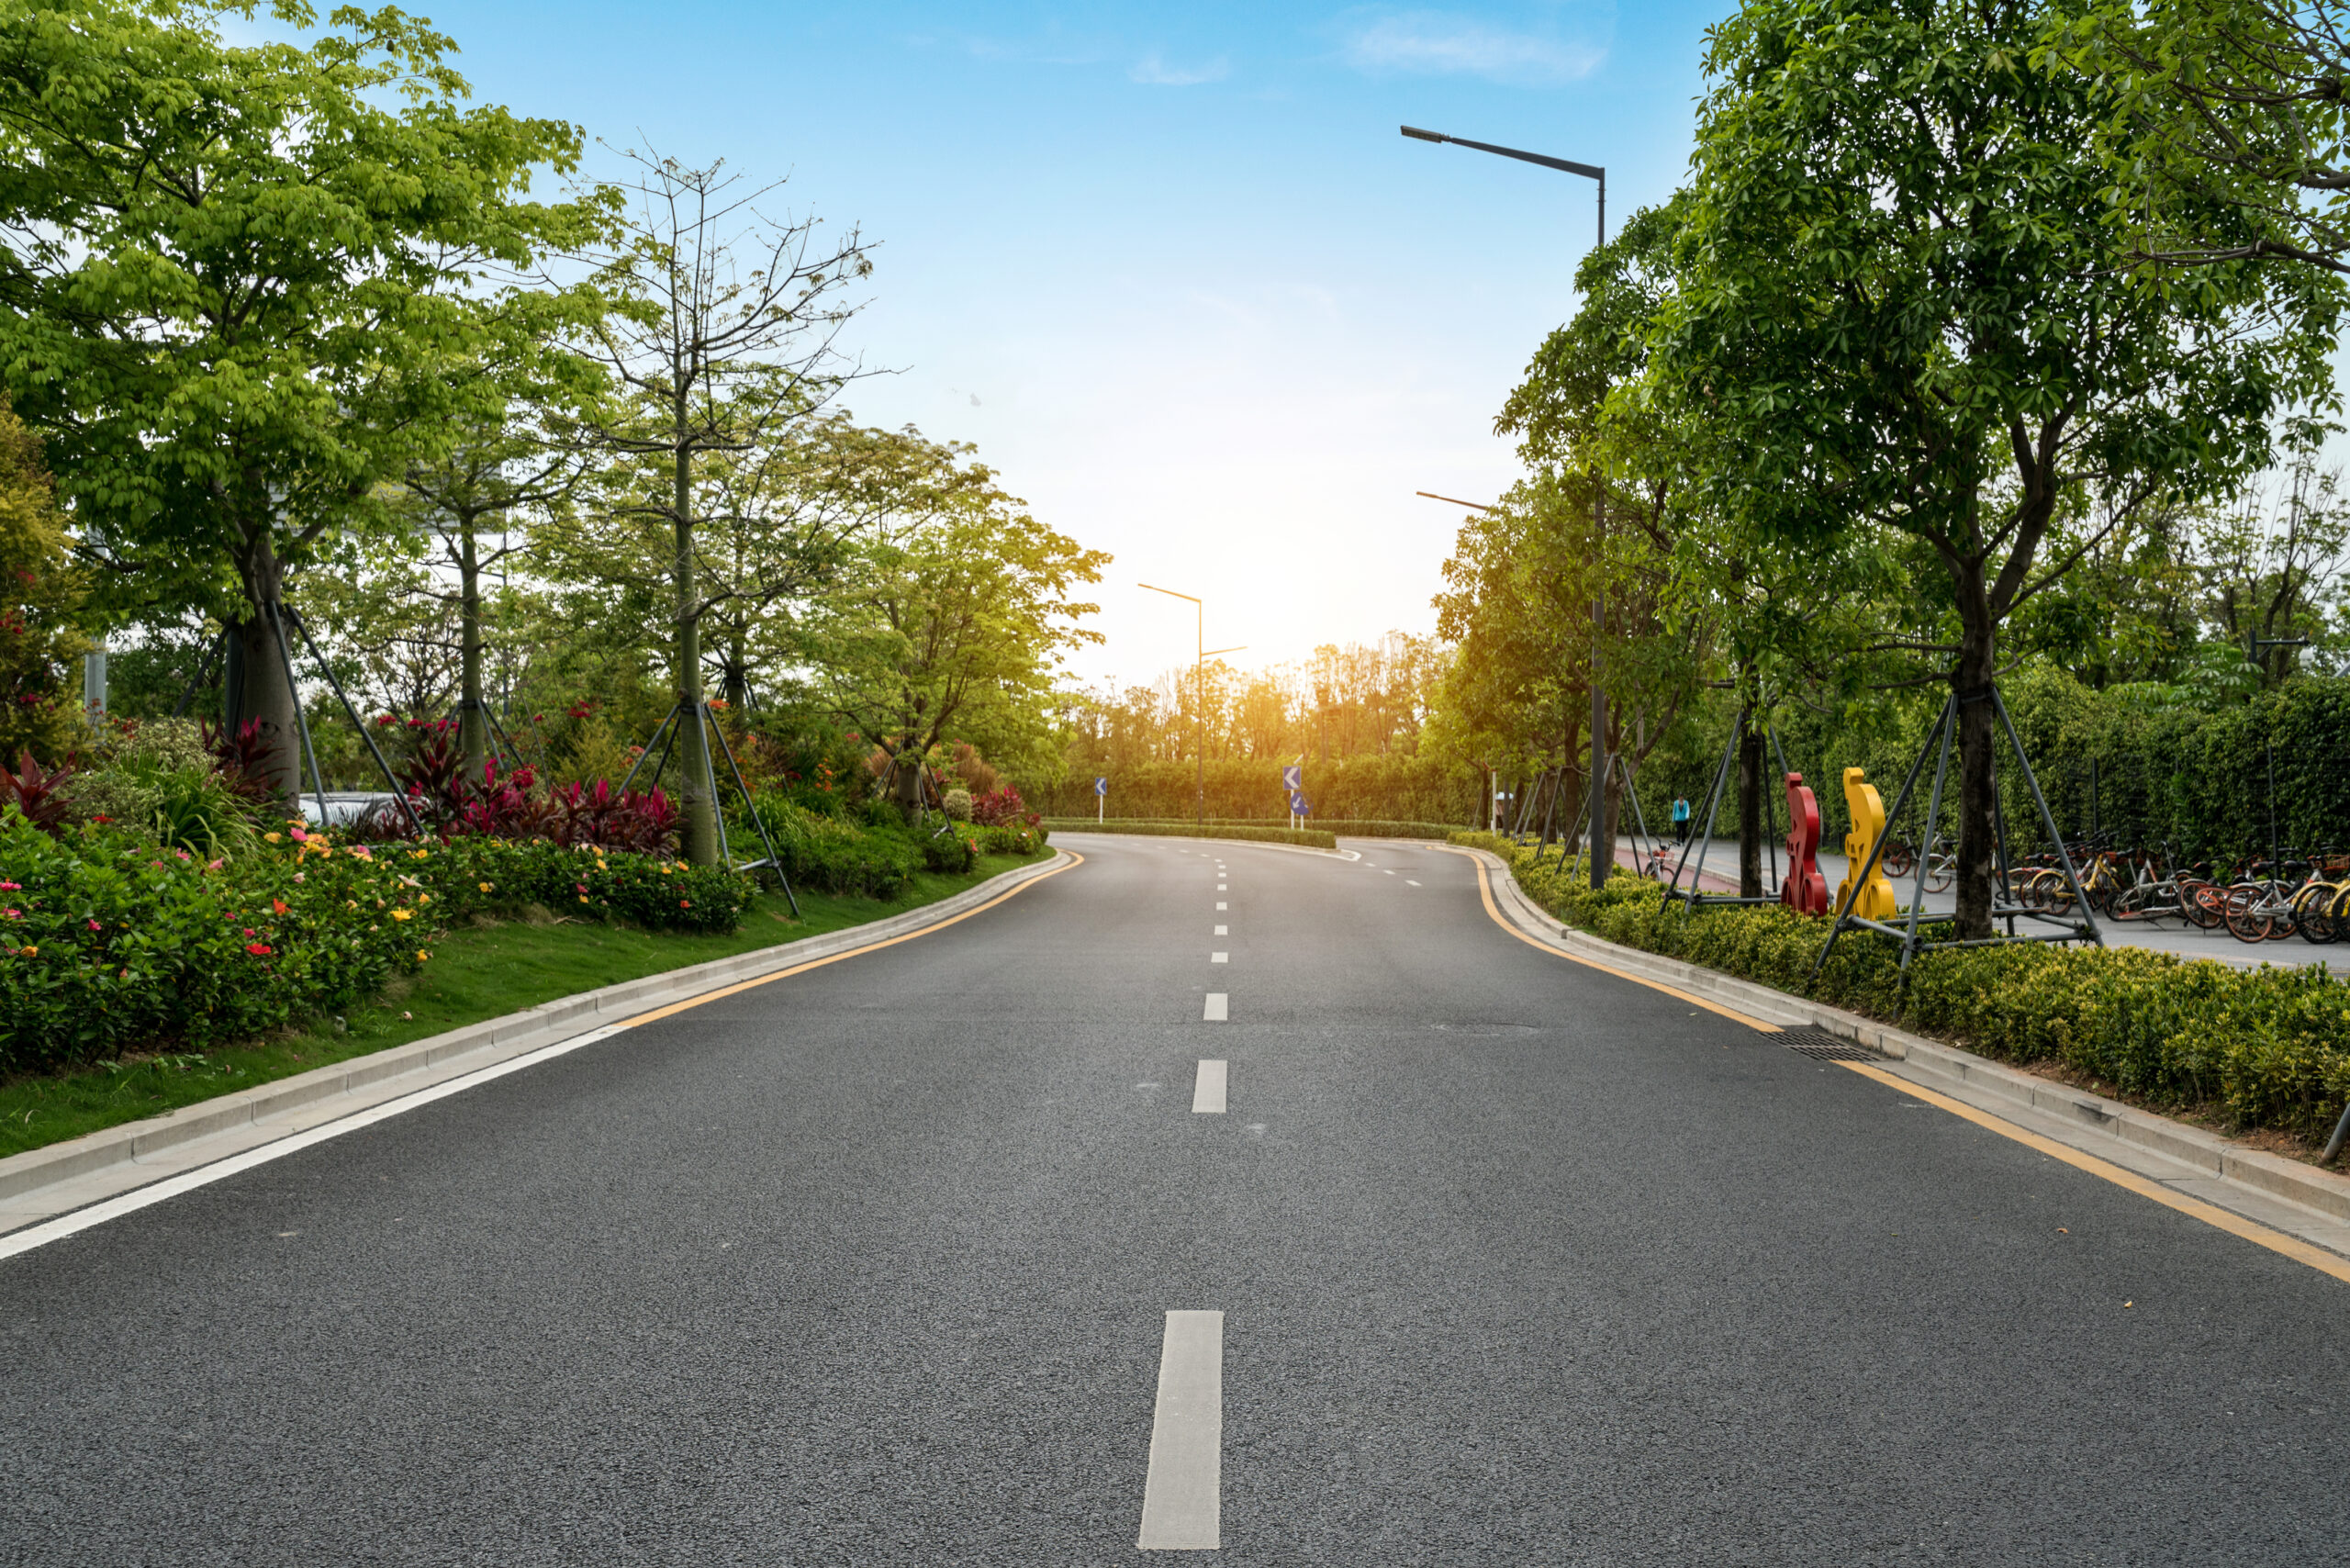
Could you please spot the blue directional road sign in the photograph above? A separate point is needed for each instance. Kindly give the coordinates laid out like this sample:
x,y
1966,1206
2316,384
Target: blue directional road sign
x,y
1100,785
1292,778
1297,803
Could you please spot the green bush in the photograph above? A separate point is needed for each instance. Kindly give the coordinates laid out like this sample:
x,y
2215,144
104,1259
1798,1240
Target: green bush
x,y
109,941
2265,1048
826,853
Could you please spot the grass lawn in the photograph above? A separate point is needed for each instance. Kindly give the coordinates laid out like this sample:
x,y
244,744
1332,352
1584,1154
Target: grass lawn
x,y
477,972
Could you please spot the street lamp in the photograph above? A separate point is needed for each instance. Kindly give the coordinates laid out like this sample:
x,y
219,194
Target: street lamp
x,y
1598,610
1200,681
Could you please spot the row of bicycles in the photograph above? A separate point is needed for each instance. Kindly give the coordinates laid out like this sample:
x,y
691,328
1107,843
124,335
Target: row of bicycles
x,y
2298,893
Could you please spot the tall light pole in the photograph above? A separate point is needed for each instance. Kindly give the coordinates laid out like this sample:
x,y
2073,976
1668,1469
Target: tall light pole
x,y
1200,683
1599,867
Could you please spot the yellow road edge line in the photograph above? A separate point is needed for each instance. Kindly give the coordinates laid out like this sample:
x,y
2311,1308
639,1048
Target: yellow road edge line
x,y
1075,861
2260,1235
1485,891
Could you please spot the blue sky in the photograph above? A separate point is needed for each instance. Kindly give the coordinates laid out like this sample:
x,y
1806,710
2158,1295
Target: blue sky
x,y
1172,269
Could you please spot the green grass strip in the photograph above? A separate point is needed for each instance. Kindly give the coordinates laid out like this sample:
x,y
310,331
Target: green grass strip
x,y
477,972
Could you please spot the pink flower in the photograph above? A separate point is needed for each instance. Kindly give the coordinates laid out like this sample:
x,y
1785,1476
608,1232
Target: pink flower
x,y
10,888
12,914
94,925
249,931
297,875
214,865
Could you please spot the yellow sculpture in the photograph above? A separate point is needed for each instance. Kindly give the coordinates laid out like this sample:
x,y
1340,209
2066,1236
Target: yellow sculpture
x,y
1861,799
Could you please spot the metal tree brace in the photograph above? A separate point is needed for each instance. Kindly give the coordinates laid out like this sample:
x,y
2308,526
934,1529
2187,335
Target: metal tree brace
x,y
1938,743
1693,898
1619,768
710,780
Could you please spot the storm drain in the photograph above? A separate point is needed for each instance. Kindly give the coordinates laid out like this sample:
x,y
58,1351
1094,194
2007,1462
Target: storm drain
x,y
1808,1040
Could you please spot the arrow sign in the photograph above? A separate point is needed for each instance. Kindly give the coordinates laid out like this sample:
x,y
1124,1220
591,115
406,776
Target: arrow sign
x,y
1297,804
1100,785
1292,778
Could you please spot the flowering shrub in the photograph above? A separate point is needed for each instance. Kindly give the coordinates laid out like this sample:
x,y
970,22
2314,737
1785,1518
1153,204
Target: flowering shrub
x,y
109,941
1000,808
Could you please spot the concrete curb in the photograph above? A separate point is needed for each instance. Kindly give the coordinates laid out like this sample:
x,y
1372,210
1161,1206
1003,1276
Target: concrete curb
x,y
2286,1194
118,1158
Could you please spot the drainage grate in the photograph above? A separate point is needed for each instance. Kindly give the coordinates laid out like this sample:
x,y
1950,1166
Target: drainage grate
x,y
1808,1040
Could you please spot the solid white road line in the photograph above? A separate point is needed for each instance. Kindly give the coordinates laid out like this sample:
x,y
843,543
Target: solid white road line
x,y
34,1235
1183,1501
1219,958
1216,1009
1207,1090
1223,931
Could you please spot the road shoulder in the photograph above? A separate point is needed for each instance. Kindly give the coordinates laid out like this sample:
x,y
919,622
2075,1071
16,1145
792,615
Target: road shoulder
x,y
42,1184
2286,1195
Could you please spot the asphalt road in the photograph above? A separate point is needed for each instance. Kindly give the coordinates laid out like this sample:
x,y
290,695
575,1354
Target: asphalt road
x,y
1519,1263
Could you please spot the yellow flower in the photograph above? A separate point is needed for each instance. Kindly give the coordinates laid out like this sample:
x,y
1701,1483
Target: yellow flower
x,y
485,887
273,837
420,854
421,955
403,915
583,897
31,952
423,898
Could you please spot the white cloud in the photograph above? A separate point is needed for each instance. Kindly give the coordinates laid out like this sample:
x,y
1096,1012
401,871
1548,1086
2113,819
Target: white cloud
x,y
1445,44
1153,71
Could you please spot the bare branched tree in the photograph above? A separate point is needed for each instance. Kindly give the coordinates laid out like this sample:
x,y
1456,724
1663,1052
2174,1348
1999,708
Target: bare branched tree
x,y
719,330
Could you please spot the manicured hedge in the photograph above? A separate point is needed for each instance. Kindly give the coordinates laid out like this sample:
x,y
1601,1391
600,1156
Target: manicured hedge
x,y
1309,836
2265,1048
110,943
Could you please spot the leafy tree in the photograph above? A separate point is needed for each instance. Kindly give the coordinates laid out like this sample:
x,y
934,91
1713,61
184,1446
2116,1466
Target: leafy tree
x,y
952,622
476,500
2226,134
1899,304
242,285
40,593
716,342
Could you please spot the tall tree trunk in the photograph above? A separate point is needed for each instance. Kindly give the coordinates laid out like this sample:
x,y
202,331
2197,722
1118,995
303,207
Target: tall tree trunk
x,y
697,814
1750,805
266,695
473,716
738,668
1977,661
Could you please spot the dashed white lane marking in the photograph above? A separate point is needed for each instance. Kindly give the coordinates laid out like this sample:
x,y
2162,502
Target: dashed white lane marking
x,y
1222,930
1215,1012
1219,958
1409,883
1207,1090
1387,873
1224,906
1183,1500
1222,886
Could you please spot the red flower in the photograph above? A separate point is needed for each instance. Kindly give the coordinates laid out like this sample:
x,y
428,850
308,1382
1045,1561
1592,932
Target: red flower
x,y
277,905
385,718
258,950
685,903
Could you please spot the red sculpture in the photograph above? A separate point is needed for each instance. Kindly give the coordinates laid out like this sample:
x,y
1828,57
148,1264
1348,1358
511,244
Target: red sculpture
x,y
1805,889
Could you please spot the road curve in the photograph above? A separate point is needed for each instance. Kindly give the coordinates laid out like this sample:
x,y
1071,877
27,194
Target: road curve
x,y
1517,1263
